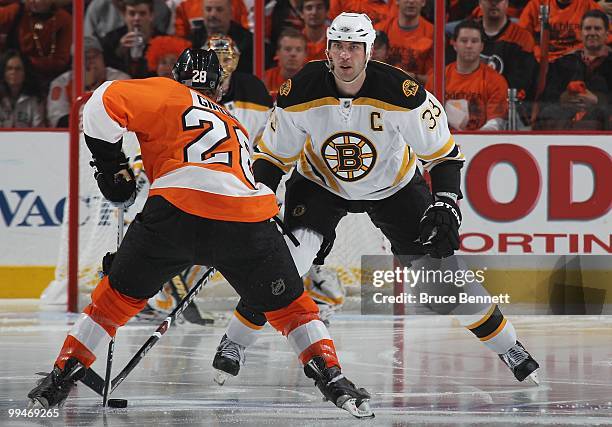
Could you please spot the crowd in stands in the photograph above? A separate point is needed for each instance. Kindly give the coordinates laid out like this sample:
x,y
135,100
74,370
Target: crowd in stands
x,y
492,46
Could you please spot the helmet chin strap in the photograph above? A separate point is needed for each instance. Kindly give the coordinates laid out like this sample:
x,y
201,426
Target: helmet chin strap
x,y
331,67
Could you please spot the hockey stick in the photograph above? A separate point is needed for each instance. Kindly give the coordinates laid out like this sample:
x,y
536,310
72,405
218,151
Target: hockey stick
x,y
111,344
96,383
286,230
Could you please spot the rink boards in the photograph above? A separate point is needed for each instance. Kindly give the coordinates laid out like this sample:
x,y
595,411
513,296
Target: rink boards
x,y
524,194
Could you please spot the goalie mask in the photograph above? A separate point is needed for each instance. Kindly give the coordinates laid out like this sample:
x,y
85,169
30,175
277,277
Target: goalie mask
x,y
226,50
200,70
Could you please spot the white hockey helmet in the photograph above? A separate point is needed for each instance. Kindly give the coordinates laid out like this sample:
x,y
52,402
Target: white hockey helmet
x,y
352,27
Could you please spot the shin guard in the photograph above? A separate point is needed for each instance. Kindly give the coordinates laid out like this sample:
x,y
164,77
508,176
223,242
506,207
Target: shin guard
x,y
108,310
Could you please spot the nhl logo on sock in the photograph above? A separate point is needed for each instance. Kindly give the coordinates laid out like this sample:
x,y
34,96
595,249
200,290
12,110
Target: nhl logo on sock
x,y
299,210
278,287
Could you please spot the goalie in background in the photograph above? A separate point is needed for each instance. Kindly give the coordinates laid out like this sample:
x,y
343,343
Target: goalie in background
x,y
205,208
355,131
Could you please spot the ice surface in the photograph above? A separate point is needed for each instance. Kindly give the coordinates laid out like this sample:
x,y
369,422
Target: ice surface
x,y
423,370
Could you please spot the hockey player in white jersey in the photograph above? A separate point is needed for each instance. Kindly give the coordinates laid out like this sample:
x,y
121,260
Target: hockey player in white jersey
x,y
246,97
355,129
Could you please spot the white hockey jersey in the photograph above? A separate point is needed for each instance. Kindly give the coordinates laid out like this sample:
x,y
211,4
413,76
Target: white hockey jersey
x,y
361,148
249,101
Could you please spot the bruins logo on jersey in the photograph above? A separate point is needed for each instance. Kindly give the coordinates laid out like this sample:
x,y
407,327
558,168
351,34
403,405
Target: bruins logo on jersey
x,y
285,88
348,155
410,88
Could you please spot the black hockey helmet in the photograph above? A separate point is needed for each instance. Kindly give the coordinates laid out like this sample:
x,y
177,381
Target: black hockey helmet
x,y
199,69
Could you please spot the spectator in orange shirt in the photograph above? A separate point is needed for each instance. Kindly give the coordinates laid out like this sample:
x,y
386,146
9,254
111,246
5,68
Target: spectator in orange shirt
x,y
515,7
475,94
314,13
410,38
44,36
565,16
190,19
377,10
380,49
508,49
291,55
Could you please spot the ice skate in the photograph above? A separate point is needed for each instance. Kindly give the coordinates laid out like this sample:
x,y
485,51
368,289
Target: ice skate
x,y
338,389
521,363
228,359
53,390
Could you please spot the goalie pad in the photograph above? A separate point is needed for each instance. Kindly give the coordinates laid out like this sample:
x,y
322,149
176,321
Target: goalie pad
x,y
323,285
172,293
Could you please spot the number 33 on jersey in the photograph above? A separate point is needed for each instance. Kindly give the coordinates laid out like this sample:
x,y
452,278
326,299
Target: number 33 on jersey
x,y
194,152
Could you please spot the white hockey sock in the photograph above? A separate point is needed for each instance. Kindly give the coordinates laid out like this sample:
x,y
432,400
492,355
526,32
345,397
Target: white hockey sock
x,y
241,331
491,328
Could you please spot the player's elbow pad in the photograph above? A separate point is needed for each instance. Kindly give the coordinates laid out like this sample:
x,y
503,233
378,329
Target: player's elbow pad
x,y
104,150
446,177
267,173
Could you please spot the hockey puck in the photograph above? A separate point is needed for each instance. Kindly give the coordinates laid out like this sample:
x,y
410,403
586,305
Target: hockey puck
x,y
117,403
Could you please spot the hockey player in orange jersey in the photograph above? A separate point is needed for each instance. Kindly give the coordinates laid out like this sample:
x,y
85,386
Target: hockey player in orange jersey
x,y
204,207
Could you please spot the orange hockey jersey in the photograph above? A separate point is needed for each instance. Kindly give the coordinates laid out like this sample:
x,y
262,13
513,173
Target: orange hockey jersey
x,y
195,153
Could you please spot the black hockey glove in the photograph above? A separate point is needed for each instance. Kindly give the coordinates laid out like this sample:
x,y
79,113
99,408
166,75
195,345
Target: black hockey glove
x,y
439,228
107,262
116,181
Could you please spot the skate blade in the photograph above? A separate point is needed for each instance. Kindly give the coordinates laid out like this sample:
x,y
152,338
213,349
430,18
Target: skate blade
x,y
363,411
220,377
534,378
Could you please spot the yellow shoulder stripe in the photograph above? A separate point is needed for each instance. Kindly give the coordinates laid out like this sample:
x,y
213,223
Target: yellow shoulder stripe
x,y
251,106
313,104
441,152
376,103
